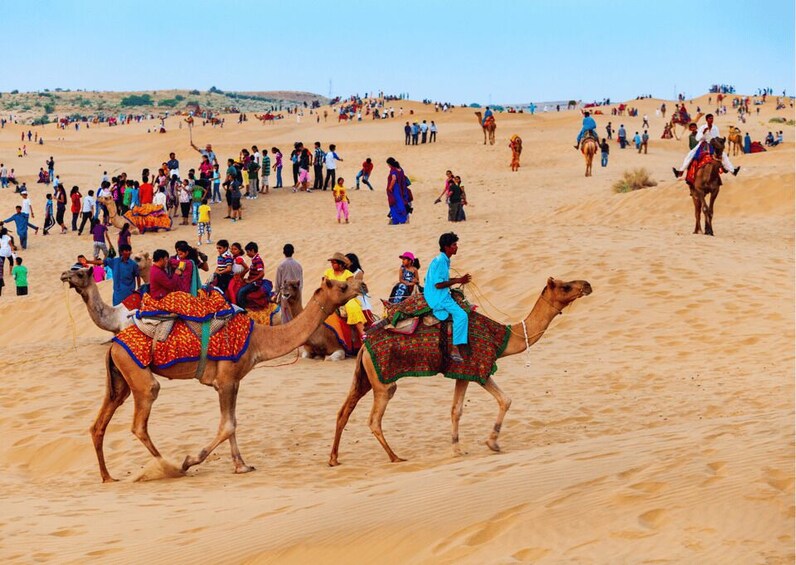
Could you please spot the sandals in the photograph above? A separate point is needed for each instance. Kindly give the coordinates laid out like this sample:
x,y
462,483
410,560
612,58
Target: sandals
x,y
456,358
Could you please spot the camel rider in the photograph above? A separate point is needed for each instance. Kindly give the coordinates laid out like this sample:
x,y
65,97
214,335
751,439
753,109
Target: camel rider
x,y
487,115
589,126
437,292
703,137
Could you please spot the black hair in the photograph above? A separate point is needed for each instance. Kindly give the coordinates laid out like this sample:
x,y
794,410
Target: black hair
x,y
332,147
288,250
223,243
446,239
354,266
416,263
125,247
160,254
251,246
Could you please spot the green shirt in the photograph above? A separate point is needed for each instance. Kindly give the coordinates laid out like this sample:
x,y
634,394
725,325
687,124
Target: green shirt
x,y
198,192
20,274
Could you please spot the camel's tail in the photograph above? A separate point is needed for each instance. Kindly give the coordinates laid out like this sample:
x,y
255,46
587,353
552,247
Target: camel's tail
x,y
115,384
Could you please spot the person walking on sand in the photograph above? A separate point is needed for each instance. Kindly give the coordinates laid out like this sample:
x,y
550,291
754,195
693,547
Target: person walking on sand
x,y
203,227
436,291
49,215
331,167
21,222
318,158
604,150
277,166
645,138
266,173
341,200
20,274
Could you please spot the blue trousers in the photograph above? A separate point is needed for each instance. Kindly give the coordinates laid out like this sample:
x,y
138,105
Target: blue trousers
x,y
604,160
459,316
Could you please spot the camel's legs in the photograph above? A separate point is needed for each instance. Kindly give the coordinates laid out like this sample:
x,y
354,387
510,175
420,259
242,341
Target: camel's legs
x,y
709,213
227,399
359,388
145,390
504,403
456,414
697,212
118,389
381,397
706,212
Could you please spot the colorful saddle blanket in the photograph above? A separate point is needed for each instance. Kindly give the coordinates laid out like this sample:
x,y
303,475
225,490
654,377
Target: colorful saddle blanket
x,y
416,306
697,163
267,316
342,331
424,353
149,217
194,316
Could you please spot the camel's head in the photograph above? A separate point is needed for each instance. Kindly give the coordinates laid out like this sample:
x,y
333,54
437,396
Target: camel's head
x,y
340,292
106,201
144,261
79,279
291,291
561,294
718,145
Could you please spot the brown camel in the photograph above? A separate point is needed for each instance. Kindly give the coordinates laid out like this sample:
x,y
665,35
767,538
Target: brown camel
x,y
489,127
113,215
106,317
707,181
735,139
516,150
556,296
589,147
323,341
676,120
124,377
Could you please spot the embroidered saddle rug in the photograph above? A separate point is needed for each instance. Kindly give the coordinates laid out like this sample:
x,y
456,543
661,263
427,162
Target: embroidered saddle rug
x,y
697,163
425,352
148,217
191,320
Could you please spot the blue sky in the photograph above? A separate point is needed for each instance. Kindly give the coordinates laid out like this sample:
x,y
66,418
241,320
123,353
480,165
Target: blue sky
x,y
507,51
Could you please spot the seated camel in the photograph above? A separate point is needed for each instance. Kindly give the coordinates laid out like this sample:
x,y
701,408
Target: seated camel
x,y
323,341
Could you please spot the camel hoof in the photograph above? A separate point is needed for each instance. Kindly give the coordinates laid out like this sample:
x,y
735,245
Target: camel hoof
x,y
187,463
109,479
397,459
493,445
333,462
244,469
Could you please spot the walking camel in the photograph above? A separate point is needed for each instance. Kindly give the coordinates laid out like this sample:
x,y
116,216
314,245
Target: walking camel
x,y
489,127
125,377
707,181
589,147
106,317
556,296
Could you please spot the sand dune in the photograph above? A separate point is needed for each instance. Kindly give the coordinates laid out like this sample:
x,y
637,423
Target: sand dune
x,y
654,423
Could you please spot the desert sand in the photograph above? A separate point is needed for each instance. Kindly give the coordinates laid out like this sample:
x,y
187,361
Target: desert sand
x,y
653,422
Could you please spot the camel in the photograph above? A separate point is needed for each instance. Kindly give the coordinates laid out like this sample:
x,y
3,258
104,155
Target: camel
x,y
489,128
516,150
323,341
106,317
677,119
556,296
589,147
125,377
735,139
113,215
707,181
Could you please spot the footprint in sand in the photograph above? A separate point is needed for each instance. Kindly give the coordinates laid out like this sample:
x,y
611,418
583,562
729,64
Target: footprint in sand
x,y
652,519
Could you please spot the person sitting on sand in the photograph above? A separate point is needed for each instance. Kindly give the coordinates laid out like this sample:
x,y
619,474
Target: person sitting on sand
x,y
705,134
589,126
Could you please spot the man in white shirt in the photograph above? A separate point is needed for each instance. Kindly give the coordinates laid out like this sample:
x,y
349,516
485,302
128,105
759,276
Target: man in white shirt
x,y
87,210
331,167
159,199
705,134
27,206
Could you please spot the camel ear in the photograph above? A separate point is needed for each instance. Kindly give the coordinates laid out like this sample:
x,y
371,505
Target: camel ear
x,y
327,282
551,283
91,270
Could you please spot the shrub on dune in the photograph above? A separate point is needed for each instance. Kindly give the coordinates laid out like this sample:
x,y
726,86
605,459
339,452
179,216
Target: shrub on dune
x,y
634,180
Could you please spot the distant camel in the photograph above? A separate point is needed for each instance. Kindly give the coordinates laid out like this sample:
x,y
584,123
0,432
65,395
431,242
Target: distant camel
x,y
489,127
707,181
589,147
516,150
678,119
555,296
735,140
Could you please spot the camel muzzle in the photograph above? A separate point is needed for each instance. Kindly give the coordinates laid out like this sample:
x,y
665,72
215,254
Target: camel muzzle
x,y
586,290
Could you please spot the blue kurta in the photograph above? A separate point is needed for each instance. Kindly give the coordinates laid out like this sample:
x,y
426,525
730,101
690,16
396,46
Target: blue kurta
x,y
440,299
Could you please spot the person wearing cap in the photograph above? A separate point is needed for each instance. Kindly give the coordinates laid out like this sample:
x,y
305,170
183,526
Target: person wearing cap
x,y
408,278
438,295
339,272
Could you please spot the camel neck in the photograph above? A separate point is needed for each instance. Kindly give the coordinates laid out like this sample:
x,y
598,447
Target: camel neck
x,y
536,324
100,313
270,342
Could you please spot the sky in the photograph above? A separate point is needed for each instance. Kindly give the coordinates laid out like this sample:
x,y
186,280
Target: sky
x,y
498,51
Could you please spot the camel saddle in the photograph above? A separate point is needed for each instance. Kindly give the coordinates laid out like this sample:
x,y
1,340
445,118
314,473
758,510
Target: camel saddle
x,y
702,158
155,318
406,316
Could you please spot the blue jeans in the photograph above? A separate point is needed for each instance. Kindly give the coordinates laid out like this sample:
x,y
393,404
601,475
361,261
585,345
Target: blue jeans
x,y
244,292
604,161
278,177
361,174
217,191
195,212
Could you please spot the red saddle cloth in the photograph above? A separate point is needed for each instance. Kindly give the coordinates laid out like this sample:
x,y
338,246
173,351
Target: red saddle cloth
x,y
697,164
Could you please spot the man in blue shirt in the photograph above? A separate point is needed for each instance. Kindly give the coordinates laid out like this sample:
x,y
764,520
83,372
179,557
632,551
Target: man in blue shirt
x,y
22,223
588,125
126,275
438,295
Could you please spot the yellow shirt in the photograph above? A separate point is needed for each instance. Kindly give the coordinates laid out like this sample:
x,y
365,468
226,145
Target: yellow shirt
x,y
340,193
353,309
332,276
204,214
